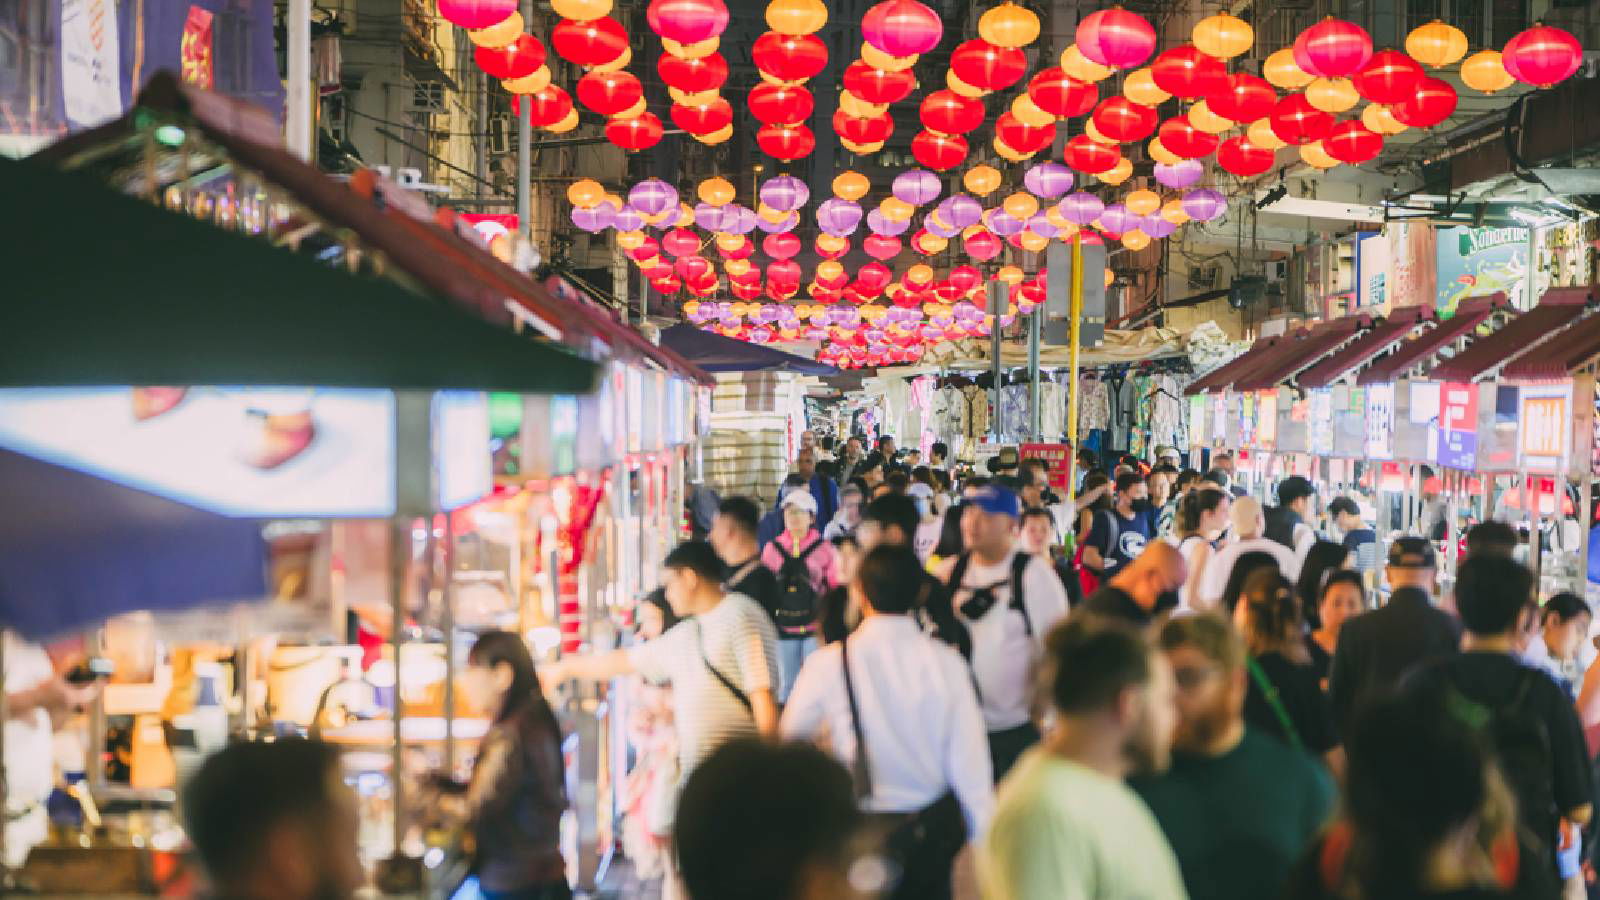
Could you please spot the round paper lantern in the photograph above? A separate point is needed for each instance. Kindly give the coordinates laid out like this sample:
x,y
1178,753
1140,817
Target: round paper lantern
x,y
1075,64
652,197
982,64
716,137
514,60
1436,44
585,192
896,210
1142,203
687,21
566,123
902,27
1296,121
1351,142
796,16
1223,36
1201,117
638,133
1157,227
693,98
1485,71
855,106
1380,120
878,85
1008,25
789,57
1332,95
498,35
1117,219
784,193
1020,205
950,113
1135,240
862,130
1116,37
1059,94
780,104
1124,120
1388,77
1316,156
1186,72
1024,138
709,217
851,185
609,93
1431,102
1140,87
881,247
1184,140
691,51
1333,48
838,216
784,271
631,240
582,10
546,107
1204,204
1243,98
1542,56
961,87
916,186
637,109
878,223
861,149
785,141
1281,70
1180,174
528,84
1088,155
1118,173
780,246
832,246
693,75
588,43
982,245
878,59
615,65
703,119
1238,156
981,180
1029,113
680,242
1261,135
1048,179
787,223
963,211
928,243
476,13
1172,211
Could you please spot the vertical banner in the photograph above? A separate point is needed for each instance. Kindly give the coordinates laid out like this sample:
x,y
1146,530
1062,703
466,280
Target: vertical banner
x,y
1380,421
195,52
91,82
1372,268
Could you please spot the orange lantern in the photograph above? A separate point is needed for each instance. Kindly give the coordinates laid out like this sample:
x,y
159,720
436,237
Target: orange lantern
x,y
1135,240
896,210
1118,173
1009,25
1485,71
497,36
878,59
851,185
1380,119
1142,202
1223,36
1074,63
1161,154
1140,87
1260,134
1283,72
582,10
1029,113
1315,156
796,17
529,84
697,50
1173,211
716,191
1332,95
1436,44
981,180
1020,205
1009,275
961,87
585,192
1201,117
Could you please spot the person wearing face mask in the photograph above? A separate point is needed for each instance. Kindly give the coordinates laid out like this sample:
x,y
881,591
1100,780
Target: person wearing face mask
x,y
1119,534
1143,590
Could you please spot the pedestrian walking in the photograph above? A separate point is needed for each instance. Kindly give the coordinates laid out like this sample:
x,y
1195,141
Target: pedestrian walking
x,y
1343,597
1249,526
1118,535
1285,696
824,490
1288,523
1201,520
733,536
1142,591
851,501
803,563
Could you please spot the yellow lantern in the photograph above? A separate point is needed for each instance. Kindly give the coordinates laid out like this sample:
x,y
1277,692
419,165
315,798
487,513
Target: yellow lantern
x,y
1484,71
878,59
585,192
1161,154
932,243
1074,63
690,307
650,263
1378,118
1201,117
1118,173
1007,152
920,273
971,230
961,87
582,10
773,79
1223,36
685,215
697,50
1029,113
1031,242
1436,44
1260,134
851,185
1136,240
1332,95
532,83
1173,211
703,98
1111,277
659,217
715,137
770,214
1282,71
1067,231
896,210
616,65
730,243
497,36
1009,25
739,308
830,268
614,199
1315,156
1009,275
634,111
796,17
716,191
629,240
830,243
1020,205
1142,202
981,180
861,109
1096,135
1140,87
738,268
565,125
1052,214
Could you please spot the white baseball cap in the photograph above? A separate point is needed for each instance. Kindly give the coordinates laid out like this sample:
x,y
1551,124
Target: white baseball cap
x,y
800,498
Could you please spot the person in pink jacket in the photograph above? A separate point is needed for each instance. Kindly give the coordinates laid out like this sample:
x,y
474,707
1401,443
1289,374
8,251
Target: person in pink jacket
x,y
804,564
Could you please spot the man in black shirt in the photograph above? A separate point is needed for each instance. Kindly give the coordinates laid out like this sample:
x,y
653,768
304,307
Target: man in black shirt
x,y
733,536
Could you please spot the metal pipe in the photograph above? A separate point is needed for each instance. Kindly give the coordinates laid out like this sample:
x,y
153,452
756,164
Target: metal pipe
x,y
525,155
448,626
1074,323
997,307
400,555
1035,413
298,23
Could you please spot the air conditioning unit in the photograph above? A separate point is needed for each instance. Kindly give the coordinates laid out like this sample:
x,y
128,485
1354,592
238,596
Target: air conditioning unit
x,y
502,134
1247,291
428,98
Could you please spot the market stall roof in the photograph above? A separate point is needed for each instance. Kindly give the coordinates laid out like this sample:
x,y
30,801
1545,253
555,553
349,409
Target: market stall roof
x,y
714,353
1355,354
1561,355
1557,309
1224,375
76,549
1304,348
166,299
1470,313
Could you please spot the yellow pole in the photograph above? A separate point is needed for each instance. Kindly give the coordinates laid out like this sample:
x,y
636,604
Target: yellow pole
x,y
1074,317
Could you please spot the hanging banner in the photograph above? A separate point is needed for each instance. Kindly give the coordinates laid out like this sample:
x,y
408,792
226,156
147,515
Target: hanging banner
x,y
1319,417
1478,261
195,51
1372,267
1197,420
1411,265
91,84
1380,421
1458,424
1267,420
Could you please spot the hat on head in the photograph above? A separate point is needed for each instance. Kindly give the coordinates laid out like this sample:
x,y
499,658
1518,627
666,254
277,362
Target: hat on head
x,y
1164,452
1411,553
1008,458
800,499
997,500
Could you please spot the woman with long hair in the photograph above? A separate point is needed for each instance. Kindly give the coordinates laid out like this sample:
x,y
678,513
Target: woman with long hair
x,y
1284,697
1202,517
1322,560
1343,596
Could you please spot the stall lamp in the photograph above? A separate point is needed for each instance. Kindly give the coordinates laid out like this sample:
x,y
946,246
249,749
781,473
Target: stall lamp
x,y
170,135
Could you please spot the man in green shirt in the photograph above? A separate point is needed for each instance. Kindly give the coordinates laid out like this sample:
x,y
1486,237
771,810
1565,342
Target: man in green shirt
x,y
1238,807
1066,826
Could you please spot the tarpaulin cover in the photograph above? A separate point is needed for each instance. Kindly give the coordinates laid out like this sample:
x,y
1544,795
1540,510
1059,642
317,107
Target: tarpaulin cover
x,y
76,549
715,353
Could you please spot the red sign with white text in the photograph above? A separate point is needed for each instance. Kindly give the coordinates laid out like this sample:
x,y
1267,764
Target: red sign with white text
x,y
1058,456
1458,407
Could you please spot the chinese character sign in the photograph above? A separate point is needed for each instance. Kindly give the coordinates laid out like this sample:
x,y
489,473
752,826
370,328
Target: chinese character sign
x,y
1380,421
195,53
1056,456
1545,426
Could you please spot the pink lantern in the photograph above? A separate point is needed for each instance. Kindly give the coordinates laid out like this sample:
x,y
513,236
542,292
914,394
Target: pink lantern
x,y
902,27
475,14
1542,56
687,21
983,245
1116,38
1333,48
881,246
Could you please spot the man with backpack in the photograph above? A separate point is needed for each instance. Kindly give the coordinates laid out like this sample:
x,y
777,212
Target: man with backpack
x,y
1119,534
803,563
734,536
1008,600
1519,709
1286,522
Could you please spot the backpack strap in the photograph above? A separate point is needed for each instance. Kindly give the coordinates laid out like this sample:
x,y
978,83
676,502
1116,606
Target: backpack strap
x,y
1270,692
861,769
807,551
744,700
1019,565
1114,529
957,573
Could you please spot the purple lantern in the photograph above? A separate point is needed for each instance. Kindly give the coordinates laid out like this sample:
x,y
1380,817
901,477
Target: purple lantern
x,y
963,211
882,224
1157,227
1118,220
941,228
1180,174
1005,224
738,219
627,220
709,217
838,216
1204,204
1041,225
653,197
594,218
785,193
1048,179
787,223
916,186
1081,207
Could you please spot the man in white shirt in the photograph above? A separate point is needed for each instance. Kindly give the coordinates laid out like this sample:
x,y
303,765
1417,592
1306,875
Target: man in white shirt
x,y
1248,527
905,717
1007,631
34,693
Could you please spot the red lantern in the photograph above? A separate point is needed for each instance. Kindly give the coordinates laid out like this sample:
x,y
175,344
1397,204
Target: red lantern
x,y
639,133
965,278
1430,102
669,285
983,245
743,251
687,21
1180,136
790,57
592,43
1388,77
878,85
518,59
1122,119
874,277
1188,73
939,151
692,268
1542,56
693,76
947,112
1024,139
785,141
831,254
1333,48
609,93
860,130
983,65
649,249
1059,94
1089,155
879,246
703,119
1116,38
1351,142
680,242
1295,121
1243,98
784,271
781,245
780,104
1239,157
545,108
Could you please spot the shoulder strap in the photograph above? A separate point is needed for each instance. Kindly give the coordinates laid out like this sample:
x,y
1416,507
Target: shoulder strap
x,y
862,770
1270,692
742,572
807,551
1019,565
958,573
1114,529
726,681
787,556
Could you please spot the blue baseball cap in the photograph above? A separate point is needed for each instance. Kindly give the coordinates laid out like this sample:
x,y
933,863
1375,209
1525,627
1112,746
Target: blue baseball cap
x,y
998,500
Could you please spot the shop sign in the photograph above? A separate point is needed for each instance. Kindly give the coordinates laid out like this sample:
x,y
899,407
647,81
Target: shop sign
x,y
1219,417
1424,403
1197,421
1267,420
1057,456
1380,421
462,456
1545,426
91,82
1319,416
1458,449
1458,405
1411,264
194,51
1477,261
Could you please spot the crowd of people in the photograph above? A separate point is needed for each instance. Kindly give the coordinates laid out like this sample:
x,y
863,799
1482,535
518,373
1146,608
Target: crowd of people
x,y
896,682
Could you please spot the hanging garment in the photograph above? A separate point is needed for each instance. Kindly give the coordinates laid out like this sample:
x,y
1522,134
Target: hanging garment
x,y
1053,412
975,423
1094,405
1014,413
1116,416
1166,412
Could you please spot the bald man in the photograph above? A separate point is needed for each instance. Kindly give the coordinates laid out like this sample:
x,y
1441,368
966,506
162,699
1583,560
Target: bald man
x,y
1144,589
1249,529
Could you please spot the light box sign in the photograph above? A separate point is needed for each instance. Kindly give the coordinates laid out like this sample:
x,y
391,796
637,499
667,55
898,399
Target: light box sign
x,y
1380,421
1319,417
463,458
236,451
1545,426
1478,261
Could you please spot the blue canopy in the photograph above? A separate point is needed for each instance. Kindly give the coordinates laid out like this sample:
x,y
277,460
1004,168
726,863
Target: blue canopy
x,y
76,549
715,353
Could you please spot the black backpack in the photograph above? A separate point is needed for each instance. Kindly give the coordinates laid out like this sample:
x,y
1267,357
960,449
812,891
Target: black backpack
x,y
1520,739
796,609
1019,565
1281,522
